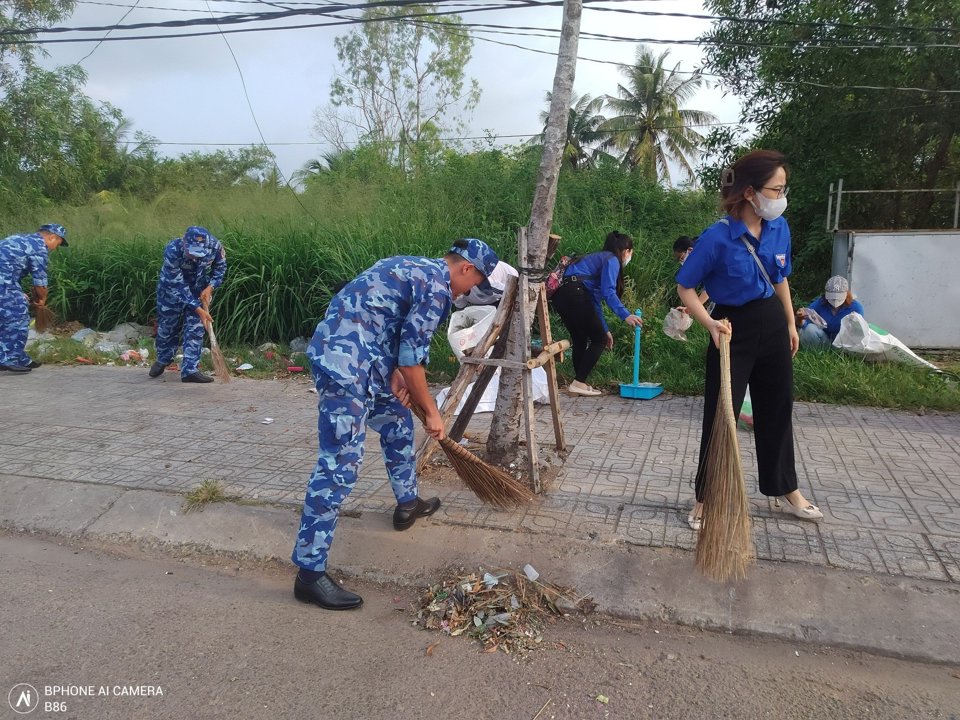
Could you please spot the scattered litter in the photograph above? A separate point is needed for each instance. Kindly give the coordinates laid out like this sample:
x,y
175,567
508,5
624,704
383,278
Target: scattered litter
x,y
797,653
83,360
267,421
298,344
266,347
245,366
531,574
295,368
603,699
268,354
429,650
313,390
131,355
504,610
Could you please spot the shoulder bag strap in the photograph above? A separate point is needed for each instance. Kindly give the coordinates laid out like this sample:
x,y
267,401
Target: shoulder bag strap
x,y
753,253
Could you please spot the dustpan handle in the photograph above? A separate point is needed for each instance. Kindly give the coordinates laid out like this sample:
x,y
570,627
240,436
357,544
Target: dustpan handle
x,y
636,350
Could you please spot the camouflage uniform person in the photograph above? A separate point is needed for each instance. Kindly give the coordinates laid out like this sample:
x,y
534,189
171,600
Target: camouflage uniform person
x,y
368,357
22,255
193,267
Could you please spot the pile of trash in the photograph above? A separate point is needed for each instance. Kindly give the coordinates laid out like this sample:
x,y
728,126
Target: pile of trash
x,y
505,610
125,342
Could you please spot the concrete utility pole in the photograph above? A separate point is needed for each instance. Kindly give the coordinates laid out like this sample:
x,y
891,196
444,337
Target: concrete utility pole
x,y
504,438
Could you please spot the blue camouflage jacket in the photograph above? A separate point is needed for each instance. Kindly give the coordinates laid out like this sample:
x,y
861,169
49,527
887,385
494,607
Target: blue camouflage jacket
x,y
22,255
184,277
383,319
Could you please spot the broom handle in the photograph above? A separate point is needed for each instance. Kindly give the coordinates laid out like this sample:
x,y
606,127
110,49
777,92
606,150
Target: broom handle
x,y
446,443
636,350
726,391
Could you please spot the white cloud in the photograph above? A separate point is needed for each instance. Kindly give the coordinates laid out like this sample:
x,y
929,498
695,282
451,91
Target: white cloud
x,y
188,89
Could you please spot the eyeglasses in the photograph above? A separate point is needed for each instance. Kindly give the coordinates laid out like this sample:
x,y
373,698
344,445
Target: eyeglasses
x,y
781,192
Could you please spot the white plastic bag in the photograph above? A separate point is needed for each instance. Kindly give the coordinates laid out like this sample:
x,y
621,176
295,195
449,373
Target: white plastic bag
x,y
875,344
488,400
676,324
468,327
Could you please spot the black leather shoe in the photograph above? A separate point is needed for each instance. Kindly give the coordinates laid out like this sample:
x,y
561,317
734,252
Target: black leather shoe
x,y
326,593
402,519
34,365
15,368
196,377
156,370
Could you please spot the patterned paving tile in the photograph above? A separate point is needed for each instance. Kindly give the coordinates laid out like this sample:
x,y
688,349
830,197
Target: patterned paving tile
x,y
888,482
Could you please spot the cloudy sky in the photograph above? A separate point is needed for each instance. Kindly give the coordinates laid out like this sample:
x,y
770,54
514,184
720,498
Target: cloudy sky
x,y
188,90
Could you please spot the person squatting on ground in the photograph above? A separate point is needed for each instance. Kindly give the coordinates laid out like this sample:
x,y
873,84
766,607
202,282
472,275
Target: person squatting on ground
x,y
193,267
832,307
587,283
368,357
743,262
22,255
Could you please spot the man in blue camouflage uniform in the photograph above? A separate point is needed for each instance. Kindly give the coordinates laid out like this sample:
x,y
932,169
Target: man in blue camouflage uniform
x,y
368,357
193,267
22,255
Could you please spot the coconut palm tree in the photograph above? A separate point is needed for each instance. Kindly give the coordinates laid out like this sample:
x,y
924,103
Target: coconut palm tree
x,y
652,128
583,122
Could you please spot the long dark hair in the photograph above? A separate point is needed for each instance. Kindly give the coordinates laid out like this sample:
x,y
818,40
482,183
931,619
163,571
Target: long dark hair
x,y
617,243
751,170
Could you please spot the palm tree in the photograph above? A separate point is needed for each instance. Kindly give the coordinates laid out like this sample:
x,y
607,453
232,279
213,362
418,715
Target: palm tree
x,y
583,122
651,127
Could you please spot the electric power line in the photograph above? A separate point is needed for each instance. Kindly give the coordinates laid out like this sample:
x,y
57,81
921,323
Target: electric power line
x,y
243,84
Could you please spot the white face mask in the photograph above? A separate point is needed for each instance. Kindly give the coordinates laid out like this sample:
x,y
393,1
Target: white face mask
x,y
835,302
768,209
627,259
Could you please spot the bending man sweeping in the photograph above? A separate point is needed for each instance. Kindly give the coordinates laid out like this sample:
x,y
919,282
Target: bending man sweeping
x,y
193,267
22,255
368,358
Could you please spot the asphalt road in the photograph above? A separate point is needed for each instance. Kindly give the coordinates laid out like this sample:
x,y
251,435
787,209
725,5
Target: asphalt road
x,y
226,641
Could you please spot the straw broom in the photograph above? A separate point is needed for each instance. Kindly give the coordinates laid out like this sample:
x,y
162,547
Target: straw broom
x,y
43,317
491,484
220,368
725,546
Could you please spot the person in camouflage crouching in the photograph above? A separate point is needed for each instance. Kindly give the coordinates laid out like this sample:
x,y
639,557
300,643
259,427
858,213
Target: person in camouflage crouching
x,y
22,255
193,267
368,356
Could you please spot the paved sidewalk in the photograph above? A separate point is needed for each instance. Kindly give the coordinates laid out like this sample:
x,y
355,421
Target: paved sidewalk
x,y
888,482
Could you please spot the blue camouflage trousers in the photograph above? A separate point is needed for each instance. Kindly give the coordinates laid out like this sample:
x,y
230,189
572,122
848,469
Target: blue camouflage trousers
x,y
172,314
14,327
342,427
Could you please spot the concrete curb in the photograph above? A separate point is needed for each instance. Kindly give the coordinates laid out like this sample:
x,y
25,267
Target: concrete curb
x,y
908,618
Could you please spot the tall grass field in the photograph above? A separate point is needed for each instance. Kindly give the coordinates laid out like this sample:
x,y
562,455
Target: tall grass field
x,y
285,254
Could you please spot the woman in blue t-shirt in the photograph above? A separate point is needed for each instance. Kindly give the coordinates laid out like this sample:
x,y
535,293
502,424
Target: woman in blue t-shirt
x,y
743,262
587,283
833,306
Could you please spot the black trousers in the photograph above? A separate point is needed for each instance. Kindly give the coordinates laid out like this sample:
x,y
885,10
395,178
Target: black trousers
x,y
574,304
759,355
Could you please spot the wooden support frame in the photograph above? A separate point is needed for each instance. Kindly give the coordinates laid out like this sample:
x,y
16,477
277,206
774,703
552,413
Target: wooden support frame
x,y
477,368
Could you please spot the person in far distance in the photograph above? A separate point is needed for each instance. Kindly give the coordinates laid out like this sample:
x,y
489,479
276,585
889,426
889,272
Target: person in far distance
x,y
490,291
193,267
587,283
22,255
833,306
682,247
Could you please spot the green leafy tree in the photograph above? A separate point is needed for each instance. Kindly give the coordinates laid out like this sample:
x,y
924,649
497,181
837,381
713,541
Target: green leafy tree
x,y
801,68
400,82
583,131
20,16
651,127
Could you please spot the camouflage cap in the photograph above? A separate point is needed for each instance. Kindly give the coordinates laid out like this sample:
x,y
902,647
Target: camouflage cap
x,y
478,253
56,229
